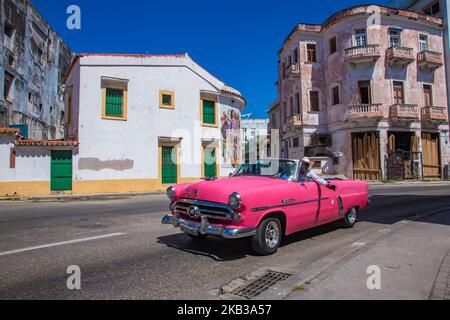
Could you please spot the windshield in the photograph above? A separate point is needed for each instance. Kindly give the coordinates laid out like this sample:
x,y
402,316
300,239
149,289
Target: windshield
x,y
280,169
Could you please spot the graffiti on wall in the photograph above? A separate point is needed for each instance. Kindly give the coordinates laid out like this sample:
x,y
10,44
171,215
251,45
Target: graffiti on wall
x,y
230,127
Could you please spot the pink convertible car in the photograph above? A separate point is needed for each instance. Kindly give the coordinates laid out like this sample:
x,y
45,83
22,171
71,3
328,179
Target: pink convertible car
x,y
265,202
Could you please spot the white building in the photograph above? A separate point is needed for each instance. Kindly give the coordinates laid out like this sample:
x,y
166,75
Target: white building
x,y
255,133
136,123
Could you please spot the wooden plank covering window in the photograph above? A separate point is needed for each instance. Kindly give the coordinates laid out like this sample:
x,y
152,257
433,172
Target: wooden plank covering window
x,y
366,156
114,103
431,156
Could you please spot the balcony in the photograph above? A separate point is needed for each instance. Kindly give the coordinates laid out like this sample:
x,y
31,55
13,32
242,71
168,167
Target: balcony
x,y
292,71
429,60
406,112
363,54
297,122
399,56
365,111
434,114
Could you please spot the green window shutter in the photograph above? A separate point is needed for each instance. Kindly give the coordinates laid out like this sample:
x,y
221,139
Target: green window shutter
x,y
169,165
210,163
114,103
209,112
61,171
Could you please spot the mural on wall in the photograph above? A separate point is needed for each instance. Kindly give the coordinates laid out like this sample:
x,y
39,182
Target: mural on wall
x,y
230,127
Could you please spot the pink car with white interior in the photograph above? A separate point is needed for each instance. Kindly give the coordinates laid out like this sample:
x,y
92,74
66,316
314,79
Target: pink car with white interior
x,y
264,201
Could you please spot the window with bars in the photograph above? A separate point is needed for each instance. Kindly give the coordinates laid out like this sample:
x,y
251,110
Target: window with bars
x,y
209,112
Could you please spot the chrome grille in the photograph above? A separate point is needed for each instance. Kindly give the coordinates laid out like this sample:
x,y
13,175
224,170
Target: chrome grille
x,y
212,210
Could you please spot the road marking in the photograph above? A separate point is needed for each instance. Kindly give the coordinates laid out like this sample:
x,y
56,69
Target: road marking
x,y
58,244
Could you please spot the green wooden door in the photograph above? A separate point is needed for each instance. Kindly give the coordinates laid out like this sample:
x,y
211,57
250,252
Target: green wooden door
x,y
169,165
61,171
209,161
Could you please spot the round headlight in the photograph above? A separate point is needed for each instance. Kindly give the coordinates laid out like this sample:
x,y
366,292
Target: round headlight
x,y
170,193
235,201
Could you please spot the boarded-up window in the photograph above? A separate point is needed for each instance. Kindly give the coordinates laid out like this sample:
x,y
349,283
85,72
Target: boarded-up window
x,y
312,54
333,45
12,159
314,101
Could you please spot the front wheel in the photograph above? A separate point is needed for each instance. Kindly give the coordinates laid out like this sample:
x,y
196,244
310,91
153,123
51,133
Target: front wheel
x,y
350,218
268,237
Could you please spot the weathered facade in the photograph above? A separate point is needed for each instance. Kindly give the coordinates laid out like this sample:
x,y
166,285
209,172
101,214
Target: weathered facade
x,y
365,93
32,68
135,123
437,8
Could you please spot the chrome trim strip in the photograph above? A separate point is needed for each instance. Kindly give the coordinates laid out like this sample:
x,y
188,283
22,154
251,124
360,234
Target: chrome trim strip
x,y
205,228
287,204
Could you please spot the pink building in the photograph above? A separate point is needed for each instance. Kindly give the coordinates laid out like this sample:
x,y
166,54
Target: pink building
x,y
365,95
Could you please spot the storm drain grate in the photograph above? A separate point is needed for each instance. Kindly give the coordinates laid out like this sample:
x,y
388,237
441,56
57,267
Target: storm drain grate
x,y
265,282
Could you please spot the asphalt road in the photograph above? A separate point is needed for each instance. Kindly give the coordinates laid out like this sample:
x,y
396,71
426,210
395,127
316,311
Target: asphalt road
x,y
125,253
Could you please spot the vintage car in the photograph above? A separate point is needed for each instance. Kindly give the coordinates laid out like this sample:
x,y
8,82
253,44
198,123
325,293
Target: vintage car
x,y
264,201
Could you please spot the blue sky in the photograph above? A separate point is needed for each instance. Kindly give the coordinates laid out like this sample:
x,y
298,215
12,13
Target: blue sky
x,y
235,40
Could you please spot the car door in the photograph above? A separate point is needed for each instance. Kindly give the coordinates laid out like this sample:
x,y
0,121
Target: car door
x,y
308,205
328,206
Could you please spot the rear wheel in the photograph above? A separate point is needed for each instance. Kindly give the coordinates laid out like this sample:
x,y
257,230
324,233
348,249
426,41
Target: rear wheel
x,y
350,218
268,237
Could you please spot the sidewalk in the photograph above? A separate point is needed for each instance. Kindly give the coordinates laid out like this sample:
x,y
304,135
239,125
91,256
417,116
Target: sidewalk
x,y
414,262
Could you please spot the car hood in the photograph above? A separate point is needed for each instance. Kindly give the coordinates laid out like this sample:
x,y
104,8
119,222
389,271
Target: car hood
x,y
219,190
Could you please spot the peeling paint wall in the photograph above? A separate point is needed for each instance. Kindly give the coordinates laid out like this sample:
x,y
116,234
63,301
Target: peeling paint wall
x,y
332,70
35,61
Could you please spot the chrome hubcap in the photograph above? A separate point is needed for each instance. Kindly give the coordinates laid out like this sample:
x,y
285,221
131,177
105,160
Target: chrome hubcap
x,y
272,235
352,217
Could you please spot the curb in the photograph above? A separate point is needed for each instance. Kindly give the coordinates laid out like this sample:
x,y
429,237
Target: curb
x,y
324,267
68,198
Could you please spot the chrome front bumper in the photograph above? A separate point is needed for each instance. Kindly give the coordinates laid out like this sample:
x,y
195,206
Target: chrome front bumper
x,y
204,228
